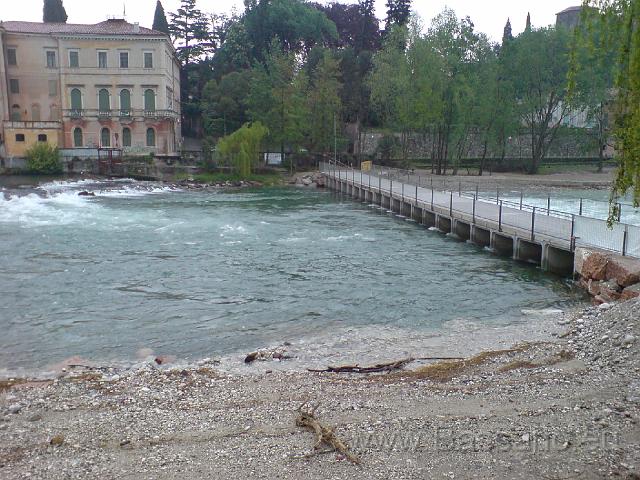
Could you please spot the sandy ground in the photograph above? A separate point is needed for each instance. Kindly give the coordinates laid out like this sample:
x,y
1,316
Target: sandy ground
x,y
563,409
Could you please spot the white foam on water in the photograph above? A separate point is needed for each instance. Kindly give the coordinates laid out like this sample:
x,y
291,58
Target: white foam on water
x,y
434,229
34,210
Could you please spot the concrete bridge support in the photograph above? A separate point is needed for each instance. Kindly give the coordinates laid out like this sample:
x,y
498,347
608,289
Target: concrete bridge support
x,y
406,209
428,219
527,251
462,230
480,236
443,223
502,244
416,213
385,202
557,260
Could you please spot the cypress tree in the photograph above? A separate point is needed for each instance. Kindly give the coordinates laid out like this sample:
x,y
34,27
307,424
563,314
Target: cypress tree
x,y
160,23
528,27
54,12
398,12
508,34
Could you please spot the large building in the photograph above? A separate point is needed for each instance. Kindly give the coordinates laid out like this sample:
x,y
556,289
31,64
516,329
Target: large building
x,y
569,17
109,85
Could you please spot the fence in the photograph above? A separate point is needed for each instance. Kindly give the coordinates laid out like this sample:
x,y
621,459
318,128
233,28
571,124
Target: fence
x,y
566,229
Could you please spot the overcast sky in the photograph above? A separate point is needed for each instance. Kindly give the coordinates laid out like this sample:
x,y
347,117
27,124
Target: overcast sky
x,y
489,16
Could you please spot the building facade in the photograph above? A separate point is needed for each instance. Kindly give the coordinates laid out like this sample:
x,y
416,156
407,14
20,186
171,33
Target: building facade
x,y
108,85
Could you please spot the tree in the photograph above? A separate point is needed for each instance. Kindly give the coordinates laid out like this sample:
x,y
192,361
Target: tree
x,y
277,98
190,28
224,103
398,13
623,18
527,27
507,35
296,26
537,63
242,147
323,103
591,77
160,19
54,12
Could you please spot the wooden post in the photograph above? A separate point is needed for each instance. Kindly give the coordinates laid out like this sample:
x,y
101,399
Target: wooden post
x,y
474,211
500,218
451,204
548,205
624,240
580,207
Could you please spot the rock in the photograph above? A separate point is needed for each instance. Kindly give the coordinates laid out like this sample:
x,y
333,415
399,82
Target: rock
x,y
628,339
15,408
35,418
594,266
86,194
630,292
56,440
625,270
306,181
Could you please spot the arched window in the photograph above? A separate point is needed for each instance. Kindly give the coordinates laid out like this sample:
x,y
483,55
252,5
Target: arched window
x,y
35,112
76,99
125,103
151,137
16,116
126,137
77,137
105,137
149,100
104,102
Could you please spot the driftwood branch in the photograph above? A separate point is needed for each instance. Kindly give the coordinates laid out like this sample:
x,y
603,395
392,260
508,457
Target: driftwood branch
x,y
324,435
378,368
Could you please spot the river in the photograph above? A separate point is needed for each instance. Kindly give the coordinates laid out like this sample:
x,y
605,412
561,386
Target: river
x,y
141,267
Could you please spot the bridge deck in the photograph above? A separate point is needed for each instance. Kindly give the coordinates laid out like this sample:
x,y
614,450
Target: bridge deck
x,y
560,230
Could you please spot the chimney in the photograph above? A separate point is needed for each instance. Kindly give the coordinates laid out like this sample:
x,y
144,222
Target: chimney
x,y
136,27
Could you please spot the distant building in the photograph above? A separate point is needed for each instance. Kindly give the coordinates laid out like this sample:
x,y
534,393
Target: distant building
x,y
569,17
111,85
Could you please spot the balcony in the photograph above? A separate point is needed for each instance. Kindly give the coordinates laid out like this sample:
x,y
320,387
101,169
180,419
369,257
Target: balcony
x,y
32,125
122,114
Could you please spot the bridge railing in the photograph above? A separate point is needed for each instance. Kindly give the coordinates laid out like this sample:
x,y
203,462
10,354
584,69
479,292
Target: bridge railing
x,y
567,228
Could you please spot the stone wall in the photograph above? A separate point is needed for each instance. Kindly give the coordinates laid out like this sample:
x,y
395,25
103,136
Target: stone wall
x,y
575,144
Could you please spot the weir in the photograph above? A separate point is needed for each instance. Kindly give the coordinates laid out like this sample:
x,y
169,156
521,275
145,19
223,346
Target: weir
x,y
543,240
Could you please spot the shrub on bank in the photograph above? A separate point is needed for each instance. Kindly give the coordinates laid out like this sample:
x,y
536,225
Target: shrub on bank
x,y
43,158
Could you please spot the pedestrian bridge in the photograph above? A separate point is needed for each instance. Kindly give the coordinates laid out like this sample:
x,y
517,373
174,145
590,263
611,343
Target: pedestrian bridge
x,y
536,235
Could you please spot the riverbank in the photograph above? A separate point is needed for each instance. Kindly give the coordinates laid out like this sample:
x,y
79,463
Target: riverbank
x,y
566,408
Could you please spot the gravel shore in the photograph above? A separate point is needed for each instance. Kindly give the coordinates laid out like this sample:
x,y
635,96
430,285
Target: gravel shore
x,y
567,408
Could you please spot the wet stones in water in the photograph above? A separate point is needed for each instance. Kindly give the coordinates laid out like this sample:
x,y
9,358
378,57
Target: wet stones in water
x,y
84,193
264,355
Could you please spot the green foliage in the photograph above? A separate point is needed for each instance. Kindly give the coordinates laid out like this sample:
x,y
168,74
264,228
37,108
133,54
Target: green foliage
x,y
398,13
324,103
43,158
160,23
277,99
537,64
242,147
293,24
623,16
225,103
54,12
190,28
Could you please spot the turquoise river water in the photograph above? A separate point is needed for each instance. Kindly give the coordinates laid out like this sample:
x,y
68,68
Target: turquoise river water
x,y
143,267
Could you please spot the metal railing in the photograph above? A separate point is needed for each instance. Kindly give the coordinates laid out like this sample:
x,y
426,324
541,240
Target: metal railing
x,y
566,229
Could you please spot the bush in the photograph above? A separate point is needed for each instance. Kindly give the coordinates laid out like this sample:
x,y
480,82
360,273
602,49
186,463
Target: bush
x,y
43,158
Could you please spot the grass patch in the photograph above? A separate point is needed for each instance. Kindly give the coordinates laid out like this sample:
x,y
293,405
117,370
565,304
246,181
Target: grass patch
x,y
267,179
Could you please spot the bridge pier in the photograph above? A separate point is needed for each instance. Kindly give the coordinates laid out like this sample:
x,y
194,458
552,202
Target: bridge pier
x,y
428,218
385,202
502,244
462,230
527,251
443,223
557,260
416,213
480,236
